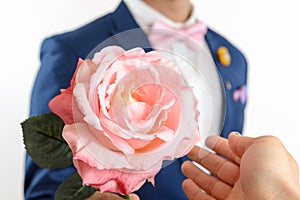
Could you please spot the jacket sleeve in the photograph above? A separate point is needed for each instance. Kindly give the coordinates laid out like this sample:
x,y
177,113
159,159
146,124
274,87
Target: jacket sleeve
x,y
57,65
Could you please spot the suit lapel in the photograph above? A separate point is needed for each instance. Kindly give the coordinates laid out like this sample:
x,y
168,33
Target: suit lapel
x,y
213,44
126,32
123,32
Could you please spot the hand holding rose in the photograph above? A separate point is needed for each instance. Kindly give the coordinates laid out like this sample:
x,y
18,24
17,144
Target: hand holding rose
x,y
255,168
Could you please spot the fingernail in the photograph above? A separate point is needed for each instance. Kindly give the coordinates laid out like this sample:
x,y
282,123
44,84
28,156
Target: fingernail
x,y
211,141
236,133
202,153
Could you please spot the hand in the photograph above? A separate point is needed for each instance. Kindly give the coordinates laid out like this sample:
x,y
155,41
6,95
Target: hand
x,y
110,196
254,168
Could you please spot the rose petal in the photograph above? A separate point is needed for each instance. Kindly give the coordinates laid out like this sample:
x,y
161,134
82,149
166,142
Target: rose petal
x,y
110,180
86,70
138,143
86,147
166,134
155,116
107,55
134,53
61,105
138,111
80,94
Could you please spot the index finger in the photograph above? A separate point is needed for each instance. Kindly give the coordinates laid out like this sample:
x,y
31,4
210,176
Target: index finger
x,y
220,146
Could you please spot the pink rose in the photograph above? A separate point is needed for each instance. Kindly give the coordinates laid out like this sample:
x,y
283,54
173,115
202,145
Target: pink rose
x,y
126,112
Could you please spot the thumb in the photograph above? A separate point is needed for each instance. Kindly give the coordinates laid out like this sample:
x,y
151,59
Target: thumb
x,y
239,144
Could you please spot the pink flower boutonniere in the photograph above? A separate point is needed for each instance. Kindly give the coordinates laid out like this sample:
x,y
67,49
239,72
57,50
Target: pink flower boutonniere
x,y
124,113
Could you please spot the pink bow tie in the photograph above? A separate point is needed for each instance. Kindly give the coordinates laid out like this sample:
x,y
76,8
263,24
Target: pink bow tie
x,y
162,35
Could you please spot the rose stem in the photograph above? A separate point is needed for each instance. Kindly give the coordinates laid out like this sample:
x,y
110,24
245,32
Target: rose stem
x,y
127,196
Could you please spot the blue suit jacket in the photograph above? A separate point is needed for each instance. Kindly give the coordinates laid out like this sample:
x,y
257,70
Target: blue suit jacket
x,y
59,55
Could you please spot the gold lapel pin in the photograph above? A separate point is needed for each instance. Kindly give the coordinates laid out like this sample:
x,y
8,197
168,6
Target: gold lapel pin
x,y
224,56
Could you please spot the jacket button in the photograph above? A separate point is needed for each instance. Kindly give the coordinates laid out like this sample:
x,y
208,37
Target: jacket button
x,y
228,85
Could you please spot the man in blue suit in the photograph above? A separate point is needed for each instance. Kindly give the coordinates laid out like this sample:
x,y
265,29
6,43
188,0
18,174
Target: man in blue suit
x,y
59,56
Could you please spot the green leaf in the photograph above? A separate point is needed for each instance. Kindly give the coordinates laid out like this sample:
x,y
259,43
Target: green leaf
x,y
73,189
43,141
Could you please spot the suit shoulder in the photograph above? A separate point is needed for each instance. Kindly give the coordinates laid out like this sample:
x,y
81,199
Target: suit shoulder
x,y
82,39
86,30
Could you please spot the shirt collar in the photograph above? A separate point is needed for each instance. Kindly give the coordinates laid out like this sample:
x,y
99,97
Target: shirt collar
x,y
145,15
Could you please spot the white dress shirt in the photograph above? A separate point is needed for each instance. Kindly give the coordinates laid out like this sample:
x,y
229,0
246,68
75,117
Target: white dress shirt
x,y
206,82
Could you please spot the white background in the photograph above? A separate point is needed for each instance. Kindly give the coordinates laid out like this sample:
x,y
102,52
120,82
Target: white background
x,y
267,31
